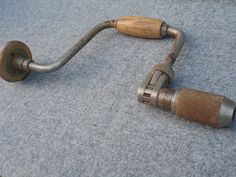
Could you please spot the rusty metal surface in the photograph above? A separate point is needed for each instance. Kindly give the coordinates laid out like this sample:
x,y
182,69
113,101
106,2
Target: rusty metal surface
x,y
162,73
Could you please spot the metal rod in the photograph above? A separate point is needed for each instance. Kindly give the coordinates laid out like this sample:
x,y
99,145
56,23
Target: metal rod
x,y
176,47
32,66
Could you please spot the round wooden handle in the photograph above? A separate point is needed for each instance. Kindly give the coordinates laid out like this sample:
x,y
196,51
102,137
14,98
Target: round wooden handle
x,y
208,108
140,26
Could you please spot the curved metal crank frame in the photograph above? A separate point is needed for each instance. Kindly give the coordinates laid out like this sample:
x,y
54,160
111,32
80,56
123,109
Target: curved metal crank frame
x,y
218,111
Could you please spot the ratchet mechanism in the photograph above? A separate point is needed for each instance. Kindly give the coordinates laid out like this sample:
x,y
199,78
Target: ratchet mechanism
x,y
215,110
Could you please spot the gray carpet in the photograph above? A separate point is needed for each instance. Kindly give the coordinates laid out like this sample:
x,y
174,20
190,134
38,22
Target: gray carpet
x,y
85,120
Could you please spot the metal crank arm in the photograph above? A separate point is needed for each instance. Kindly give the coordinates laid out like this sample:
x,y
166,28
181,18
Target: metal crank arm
x,y
215,110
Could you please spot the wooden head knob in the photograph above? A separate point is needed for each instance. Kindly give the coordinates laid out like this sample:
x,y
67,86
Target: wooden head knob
x,y
11,51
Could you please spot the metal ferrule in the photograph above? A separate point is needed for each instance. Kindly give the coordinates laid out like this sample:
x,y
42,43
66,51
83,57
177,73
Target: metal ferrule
x,y
227,112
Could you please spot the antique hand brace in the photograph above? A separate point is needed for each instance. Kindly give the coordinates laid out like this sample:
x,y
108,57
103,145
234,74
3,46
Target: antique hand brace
x,y
208,108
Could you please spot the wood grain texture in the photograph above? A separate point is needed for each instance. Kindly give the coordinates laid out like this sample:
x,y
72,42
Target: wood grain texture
x,y
140,26
197,106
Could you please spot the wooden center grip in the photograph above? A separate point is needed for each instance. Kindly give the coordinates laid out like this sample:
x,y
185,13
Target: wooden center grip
x,y
140,26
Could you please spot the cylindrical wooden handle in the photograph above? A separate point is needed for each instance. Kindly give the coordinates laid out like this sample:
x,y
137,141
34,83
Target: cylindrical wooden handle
x,y
197,106
207,108
139,26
